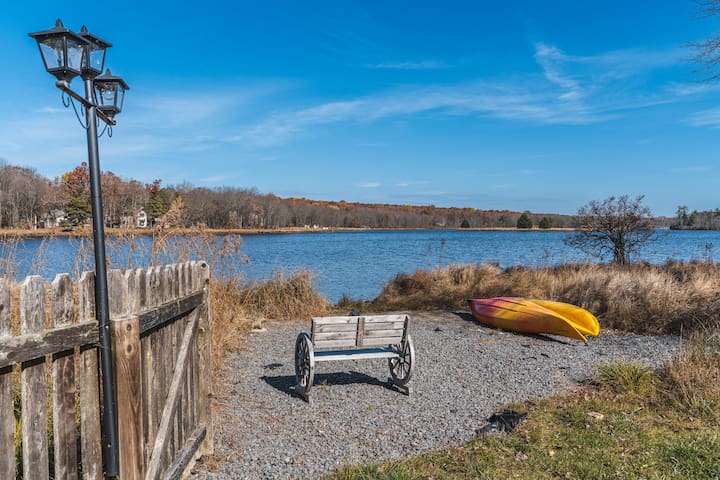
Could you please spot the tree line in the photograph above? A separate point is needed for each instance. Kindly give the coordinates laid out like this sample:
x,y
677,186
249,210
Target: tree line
x,y
696,220
29,200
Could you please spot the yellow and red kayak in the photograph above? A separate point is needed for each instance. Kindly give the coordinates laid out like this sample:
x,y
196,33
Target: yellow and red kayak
x,y
535,316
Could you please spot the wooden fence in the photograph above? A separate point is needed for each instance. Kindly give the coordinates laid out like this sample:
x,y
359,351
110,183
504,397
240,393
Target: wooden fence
x,y
50,394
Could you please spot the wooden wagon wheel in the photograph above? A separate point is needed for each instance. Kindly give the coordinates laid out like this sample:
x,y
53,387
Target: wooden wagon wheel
x,y
401,368
304,364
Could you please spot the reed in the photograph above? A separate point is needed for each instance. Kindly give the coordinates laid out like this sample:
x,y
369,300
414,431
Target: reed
x,y
675,297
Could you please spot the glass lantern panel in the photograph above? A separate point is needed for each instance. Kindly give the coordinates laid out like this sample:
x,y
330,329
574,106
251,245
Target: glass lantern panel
x,y
96,57
107,95
74,54
53,53
120,98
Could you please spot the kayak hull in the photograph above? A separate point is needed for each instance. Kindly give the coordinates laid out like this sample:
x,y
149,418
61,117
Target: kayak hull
x,y
535,316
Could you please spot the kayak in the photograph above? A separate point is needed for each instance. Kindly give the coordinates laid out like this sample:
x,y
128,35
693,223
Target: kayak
x,y
535,316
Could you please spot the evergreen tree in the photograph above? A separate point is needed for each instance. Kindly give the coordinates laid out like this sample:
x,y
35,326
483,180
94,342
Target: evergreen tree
x,y
524,221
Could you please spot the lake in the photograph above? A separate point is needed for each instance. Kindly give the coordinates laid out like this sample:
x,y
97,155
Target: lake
x,y
356,263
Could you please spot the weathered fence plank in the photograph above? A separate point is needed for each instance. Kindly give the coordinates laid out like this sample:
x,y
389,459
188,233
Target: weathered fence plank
x,y
90,436
32,378
167,311
185,457
63,381
173,398
7,418
34,345
128,377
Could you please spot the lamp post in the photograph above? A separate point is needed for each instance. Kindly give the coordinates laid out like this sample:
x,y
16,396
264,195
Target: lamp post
x,y
67,54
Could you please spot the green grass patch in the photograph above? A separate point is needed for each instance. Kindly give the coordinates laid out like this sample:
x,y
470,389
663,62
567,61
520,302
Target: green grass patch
x,y
630,424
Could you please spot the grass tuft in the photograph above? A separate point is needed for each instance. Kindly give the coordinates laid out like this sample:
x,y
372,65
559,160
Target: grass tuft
x,y
627,378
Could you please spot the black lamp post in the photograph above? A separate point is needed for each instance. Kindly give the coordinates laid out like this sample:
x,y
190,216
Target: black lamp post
x,y
66,55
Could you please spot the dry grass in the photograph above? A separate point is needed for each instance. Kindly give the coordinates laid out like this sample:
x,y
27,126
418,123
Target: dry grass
x,y
672,298
240,307
693,377
631,423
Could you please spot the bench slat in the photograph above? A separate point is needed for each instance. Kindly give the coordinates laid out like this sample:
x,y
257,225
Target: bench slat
x,y
385,318
383,333
358,354
335,343
319,337
385,326
317,321
382,340
336,327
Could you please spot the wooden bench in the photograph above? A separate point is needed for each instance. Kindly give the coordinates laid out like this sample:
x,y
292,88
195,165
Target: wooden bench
x,y
355,338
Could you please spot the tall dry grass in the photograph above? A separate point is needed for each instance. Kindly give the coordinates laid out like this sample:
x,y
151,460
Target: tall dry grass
x,y
672,298
693,376
238,307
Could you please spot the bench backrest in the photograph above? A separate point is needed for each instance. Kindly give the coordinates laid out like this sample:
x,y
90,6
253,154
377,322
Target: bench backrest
x,y
361,331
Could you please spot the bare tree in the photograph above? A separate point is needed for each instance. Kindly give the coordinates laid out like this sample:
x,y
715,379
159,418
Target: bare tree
x,y
617,227
707,52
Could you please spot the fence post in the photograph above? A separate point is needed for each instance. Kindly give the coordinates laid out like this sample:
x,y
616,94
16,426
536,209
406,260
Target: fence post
x,y
125,331
201,275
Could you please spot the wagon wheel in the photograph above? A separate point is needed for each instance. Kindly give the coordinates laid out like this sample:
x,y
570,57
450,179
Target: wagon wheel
x,y
304,364
401,368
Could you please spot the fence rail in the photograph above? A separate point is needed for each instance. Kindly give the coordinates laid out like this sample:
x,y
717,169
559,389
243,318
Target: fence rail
x,y
49,370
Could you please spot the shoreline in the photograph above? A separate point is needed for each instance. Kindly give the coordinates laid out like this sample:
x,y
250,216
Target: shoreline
x,y
114,232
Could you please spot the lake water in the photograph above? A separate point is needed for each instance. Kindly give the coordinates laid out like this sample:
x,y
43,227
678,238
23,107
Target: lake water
x,y
360,263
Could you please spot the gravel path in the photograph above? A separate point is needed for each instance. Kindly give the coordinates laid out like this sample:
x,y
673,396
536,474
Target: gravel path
x,y
464,372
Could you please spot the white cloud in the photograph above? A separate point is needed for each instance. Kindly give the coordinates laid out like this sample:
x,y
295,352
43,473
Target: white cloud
x,y
369,185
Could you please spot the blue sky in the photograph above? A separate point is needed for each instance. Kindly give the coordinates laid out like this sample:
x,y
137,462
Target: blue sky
x,y
538,106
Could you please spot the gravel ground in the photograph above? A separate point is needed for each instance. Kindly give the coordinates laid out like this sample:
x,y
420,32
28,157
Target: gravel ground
x,y
464,372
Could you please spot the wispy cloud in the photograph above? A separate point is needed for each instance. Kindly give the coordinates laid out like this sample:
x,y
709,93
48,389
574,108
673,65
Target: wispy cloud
x,y
411,65
552,60
567,90
405,183
492,100
706,118
49,110
369,184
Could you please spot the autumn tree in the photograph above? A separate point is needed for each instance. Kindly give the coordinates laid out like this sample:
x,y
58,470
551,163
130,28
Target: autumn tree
x,y
75,186
617,227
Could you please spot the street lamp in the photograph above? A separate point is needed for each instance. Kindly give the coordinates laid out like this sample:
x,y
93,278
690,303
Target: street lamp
x,y
67,54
